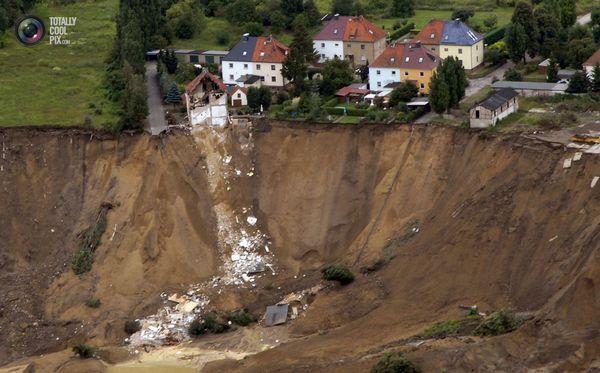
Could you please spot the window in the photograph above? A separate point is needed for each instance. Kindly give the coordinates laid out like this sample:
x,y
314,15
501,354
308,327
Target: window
x,y
273,67
194,59
349,45
378,72
459,50
230,76
257,66
362,46
432,36
406,73
246,66
421,73
445,49
273,79
433,49
393,72
422,85
477,47
231,66
407,59
420,59
379,84
239,95
244,53
262,78
477,114
323,55
337,45
322,45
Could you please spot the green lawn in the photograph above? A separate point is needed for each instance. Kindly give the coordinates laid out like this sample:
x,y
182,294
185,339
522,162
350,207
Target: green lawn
x,y
422,17
56,84
207,38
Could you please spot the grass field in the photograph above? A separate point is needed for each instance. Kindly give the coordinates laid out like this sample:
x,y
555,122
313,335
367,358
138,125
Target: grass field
x,y
57,84
207,38
423,16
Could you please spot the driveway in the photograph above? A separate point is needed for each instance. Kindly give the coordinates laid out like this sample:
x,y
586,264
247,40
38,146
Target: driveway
x,y
475,85
156,118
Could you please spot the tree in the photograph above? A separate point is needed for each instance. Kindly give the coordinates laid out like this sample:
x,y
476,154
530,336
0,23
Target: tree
x,y
265,97
403,8
516,42
568,12
512,75
312,13
173,95
595,83
490,22
580,46
254,28
135,105
523,15
185,19
364,72
343,7
595,17
463,14
552,71
578,83
278,21
403,93
336,74
439,95
242,11
291,8
253,96
300,55
549,31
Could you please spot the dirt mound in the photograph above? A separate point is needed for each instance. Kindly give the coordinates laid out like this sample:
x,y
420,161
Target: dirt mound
x,y
428,217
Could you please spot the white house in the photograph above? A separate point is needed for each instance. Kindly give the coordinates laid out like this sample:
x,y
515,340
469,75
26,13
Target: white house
x,y
260,56
497,106
238,96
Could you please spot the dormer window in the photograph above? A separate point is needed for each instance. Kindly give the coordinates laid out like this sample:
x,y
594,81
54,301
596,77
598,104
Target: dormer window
x,y
244,53
335,31
407,59
393,59
420,59
262,54
371,32
432,36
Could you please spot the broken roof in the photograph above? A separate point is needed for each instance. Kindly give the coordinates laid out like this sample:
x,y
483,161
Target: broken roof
x,y
205,75
257,49
276,314
453,32
496,99
348,28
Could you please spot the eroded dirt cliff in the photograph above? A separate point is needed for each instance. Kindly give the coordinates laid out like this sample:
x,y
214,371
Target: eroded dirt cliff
x,y
428,217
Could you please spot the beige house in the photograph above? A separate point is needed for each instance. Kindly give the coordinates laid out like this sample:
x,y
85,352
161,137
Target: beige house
x,y
453,39
497,106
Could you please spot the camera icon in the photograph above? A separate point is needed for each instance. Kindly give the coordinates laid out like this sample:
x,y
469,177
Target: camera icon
x,y
30,30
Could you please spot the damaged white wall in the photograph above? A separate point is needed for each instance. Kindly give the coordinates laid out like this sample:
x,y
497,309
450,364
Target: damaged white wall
x,y
214,113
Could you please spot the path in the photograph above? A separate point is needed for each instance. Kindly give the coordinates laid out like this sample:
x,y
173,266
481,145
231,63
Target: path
x,y
584,19
156,118
475,85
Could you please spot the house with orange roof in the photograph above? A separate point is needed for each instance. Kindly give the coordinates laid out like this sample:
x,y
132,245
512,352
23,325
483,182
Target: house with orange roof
x,y
353,38
206,100
259,56
400,63
453,39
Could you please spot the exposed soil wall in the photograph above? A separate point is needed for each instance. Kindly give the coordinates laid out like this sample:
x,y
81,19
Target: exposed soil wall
x,y
429,217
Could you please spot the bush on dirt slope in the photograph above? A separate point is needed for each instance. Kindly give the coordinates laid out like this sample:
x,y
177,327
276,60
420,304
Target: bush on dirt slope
x,y
394,363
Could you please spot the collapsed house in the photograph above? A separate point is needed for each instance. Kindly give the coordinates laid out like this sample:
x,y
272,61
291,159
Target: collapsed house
x,y
206,100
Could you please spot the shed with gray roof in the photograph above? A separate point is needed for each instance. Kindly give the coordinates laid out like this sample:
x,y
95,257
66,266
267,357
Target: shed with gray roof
x,y
495,107
532,88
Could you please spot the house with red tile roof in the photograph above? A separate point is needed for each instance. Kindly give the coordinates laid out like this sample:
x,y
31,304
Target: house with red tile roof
x,y
260,56
591,62
403,62
353,38
206,100
453,38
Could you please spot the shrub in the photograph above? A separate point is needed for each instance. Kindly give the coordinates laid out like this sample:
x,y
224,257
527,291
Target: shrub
x,y
89,240
93,303
83,351
208,324
338,273
242,317
401,31
132,326
394,363
513,75
82,261
442,329
499,322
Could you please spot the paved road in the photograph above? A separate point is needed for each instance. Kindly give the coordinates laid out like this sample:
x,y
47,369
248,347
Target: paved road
x,y
584,19
475,85
156,119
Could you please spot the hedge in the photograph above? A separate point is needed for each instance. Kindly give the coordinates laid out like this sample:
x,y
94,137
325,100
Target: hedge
x,y
331,103
334,110
495,35
402,31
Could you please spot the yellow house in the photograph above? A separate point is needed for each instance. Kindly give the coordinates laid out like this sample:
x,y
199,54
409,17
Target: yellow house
x,y
453,39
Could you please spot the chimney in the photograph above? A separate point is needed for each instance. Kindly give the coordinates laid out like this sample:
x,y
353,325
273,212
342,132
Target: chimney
x,y
336,16
418,44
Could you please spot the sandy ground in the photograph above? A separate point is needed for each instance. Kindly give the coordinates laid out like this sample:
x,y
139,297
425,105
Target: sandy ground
x,y
501,224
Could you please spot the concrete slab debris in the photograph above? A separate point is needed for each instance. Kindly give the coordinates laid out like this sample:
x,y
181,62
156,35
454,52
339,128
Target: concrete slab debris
x,y
593,149
594,181
567,163
577,156
187,306
276,315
